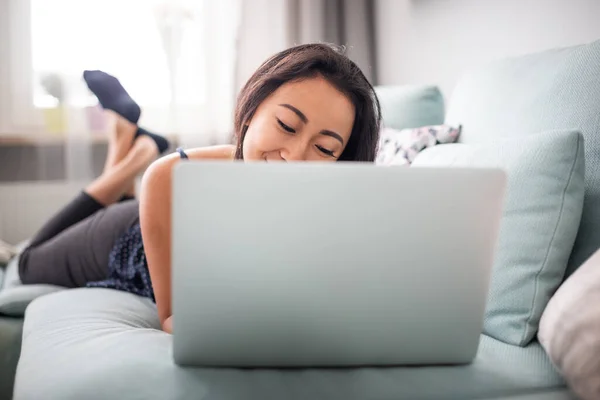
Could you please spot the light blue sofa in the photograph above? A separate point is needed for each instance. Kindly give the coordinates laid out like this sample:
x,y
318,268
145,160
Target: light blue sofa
x,y
103,344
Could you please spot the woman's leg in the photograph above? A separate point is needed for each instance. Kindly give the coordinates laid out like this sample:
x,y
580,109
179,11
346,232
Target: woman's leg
x,y
120,141
121,134
73,247
80,253
109,187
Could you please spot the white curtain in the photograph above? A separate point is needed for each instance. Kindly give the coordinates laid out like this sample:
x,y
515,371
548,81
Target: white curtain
x,y
176,58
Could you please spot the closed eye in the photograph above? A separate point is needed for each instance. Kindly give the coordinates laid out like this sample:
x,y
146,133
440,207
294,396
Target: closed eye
x,y
285,127
325,151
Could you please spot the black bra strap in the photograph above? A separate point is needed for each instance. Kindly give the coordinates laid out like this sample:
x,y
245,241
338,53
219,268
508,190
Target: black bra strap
x,y
182,154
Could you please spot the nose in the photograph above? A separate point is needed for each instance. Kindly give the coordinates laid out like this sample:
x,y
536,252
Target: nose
x,y
294,150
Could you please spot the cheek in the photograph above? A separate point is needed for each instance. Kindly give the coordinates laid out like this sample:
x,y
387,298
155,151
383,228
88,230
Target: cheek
x,y
259,139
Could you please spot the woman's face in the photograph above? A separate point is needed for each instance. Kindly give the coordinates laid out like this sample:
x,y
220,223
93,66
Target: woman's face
x,y
308,120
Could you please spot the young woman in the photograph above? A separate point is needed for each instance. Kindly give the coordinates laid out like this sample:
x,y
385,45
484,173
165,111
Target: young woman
x,y
306,103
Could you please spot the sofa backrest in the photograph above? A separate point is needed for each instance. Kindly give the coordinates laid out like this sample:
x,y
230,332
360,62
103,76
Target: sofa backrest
x,y
407,106
553,90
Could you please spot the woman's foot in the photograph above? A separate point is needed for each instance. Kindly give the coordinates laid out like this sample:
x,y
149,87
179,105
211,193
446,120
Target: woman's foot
x,y
112,95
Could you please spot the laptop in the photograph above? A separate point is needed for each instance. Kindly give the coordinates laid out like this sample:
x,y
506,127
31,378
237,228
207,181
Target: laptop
x,y
330,265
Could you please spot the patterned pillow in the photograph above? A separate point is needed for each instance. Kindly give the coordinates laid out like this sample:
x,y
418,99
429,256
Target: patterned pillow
x,y
401,147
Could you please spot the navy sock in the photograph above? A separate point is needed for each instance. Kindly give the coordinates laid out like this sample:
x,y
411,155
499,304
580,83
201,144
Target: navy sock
x,y
161,142
112,95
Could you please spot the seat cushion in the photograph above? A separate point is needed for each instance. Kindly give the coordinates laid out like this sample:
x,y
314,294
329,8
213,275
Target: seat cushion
x,y
101,343
553,90
542,210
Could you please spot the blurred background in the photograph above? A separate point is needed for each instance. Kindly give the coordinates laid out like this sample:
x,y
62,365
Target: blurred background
x,y
184,61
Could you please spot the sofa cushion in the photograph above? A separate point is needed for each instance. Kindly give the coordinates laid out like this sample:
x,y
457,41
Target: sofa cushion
x,y
14,301
544,199
553,90
572,339
401,147
103,344
406,107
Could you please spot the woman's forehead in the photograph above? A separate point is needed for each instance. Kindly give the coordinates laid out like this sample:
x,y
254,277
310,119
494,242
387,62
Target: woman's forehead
x,y
315,96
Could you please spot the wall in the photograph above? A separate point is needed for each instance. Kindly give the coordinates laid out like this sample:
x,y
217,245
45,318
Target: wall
x,y
24,207
4,73
435,41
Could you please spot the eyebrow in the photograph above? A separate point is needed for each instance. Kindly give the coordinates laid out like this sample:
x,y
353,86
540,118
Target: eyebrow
x,y
333,135
301,115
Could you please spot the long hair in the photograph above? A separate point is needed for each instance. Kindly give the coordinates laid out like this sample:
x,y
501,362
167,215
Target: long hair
x,y
308,61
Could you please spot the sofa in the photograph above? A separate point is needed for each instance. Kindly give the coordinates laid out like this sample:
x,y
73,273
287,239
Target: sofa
x,y
100,343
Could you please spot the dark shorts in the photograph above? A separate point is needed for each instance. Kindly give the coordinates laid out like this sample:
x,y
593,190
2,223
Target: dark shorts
x,y
72,254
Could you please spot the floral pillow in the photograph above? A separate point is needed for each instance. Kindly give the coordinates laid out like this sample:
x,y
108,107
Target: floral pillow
x,y
400,147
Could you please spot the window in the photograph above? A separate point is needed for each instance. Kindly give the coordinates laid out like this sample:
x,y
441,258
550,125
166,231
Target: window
x,y
172,56
154,47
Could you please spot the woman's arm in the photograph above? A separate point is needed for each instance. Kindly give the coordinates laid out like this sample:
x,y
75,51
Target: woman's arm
x,y
155,221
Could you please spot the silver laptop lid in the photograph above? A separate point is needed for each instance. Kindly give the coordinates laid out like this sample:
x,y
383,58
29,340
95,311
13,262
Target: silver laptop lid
x,y
330,265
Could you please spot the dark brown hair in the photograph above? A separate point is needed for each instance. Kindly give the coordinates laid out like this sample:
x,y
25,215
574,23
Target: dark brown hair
x,y
308,61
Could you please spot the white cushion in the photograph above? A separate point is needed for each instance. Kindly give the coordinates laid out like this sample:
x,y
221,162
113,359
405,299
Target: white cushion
x,y
570,329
